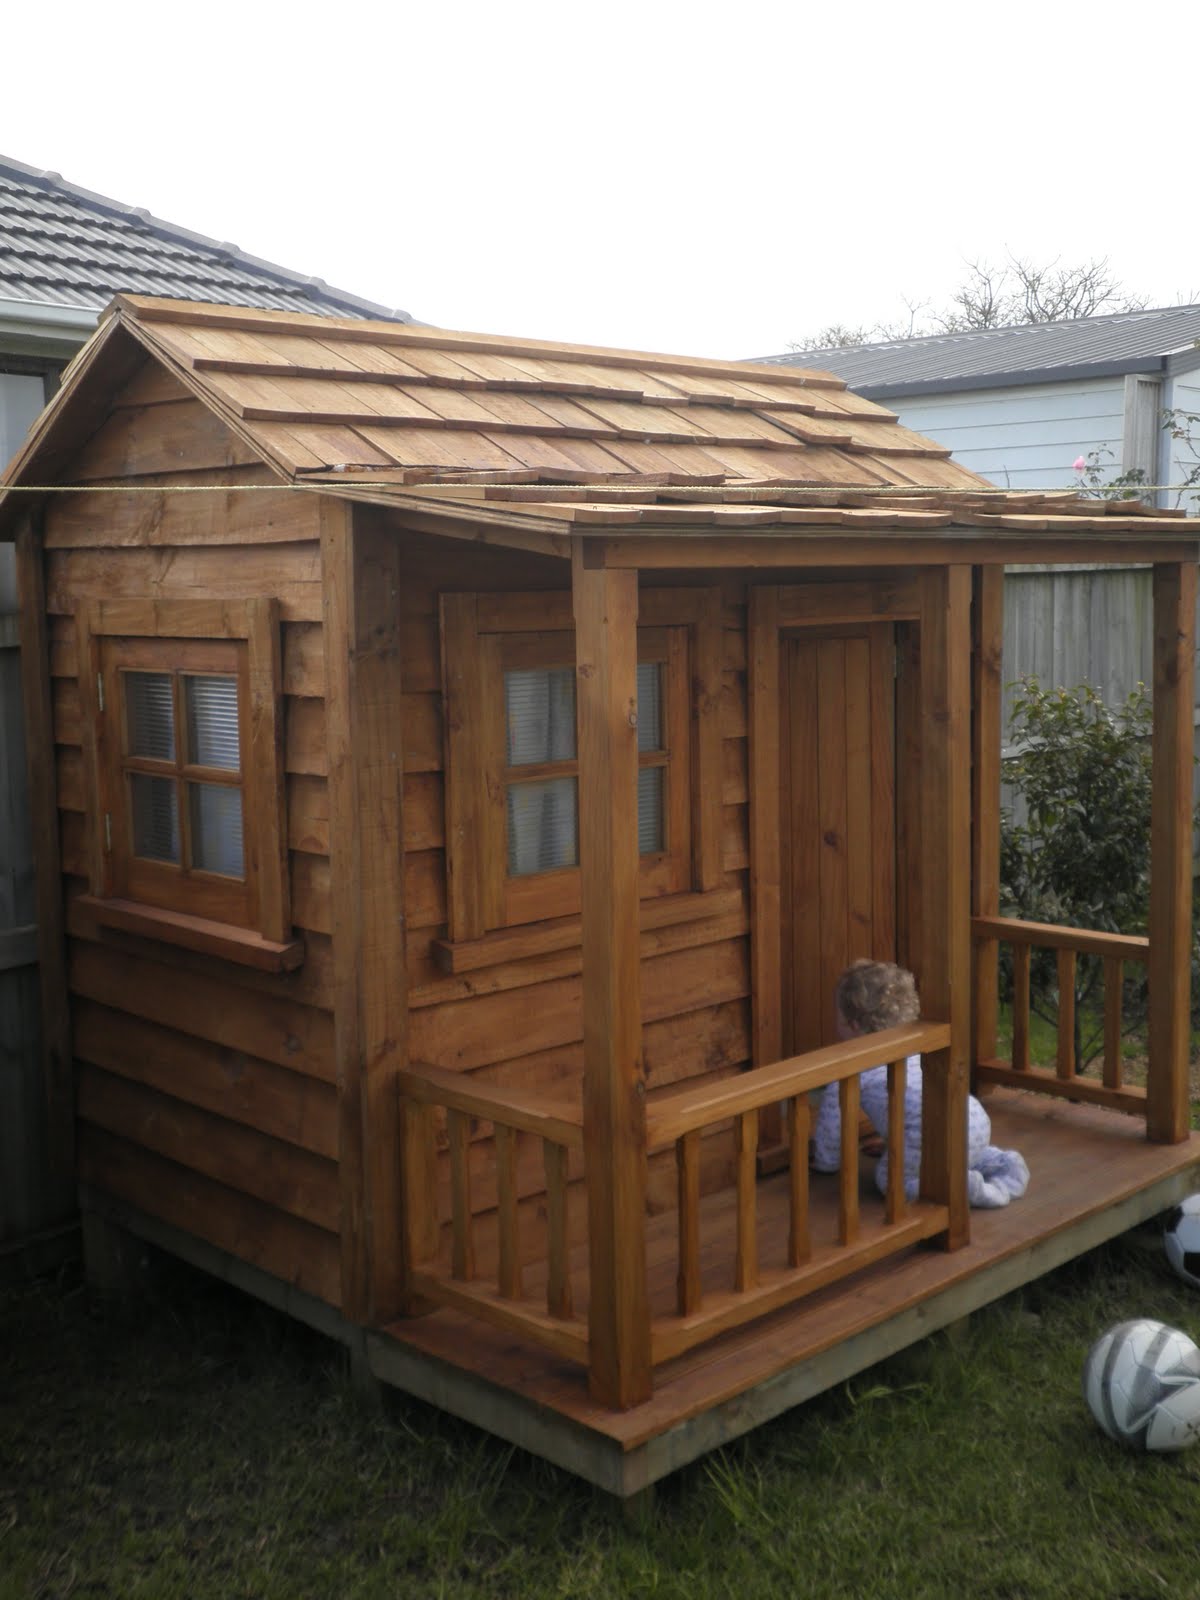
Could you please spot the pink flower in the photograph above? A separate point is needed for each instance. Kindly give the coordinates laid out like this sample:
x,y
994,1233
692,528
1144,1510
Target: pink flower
x,y
1078,464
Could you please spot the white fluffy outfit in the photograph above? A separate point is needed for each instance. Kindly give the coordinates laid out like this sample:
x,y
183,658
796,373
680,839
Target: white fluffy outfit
x,y
994,1177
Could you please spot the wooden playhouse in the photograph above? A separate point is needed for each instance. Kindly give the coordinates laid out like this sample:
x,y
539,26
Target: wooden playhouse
x,y
462,766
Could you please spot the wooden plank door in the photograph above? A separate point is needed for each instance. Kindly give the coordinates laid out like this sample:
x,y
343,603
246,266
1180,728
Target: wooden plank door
x,y
837,815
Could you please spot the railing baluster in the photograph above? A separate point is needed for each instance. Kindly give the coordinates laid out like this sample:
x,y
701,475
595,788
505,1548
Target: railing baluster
x,y
1066,1014
894,1204
458,1128
1020,1029
848,1097
687,1166
509,1271
746,1270
1114,981
558,1282
799,1241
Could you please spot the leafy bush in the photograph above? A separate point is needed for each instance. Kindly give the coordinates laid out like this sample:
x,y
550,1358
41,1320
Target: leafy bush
x,y
1079,852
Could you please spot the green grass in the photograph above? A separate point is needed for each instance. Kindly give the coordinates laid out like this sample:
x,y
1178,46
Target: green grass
x,y
199,1445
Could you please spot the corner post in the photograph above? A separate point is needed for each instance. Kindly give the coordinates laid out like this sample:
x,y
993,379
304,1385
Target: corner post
x,y
987,619
945,964
1171,852
360,564
614,1087
57,1060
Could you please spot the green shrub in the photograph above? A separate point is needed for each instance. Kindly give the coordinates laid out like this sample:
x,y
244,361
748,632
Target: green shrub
x,y
1079,853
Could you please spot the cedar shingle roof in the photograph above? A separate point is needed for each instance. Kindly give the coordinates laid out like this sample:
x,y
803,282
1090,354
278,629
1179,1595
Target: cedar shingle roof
x,y
540,437
61,245
408,405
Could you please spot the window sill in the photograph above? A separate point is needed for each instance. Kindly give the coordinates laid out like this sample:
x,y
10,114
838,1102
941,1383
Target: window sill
x,y
242,945
566,933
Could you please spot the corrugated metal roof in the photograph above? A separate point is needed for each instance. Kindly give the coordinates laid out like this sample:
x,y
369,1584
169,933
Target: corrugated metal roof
x,y
1127,341
61,245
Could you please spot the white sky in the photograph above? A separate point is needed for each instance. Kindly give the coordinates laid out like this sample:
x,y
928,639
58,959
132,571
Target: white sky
x,y
663,176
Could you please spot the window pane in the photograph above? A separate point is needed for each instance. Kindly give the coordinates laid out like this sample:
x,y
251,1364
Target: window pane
x,y
155,817
650,810
150,715
212,721
540,711
649,705
543,830
216,818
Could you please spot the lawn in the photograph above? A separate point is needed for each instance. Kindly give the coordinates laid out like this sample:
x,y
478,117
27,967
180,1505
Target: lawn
x,y
198,1445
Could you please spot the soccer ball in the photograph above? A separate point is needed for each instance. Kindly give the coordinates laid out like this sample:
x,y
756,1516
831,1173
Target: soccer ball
x,y
1141,1381
1181,1237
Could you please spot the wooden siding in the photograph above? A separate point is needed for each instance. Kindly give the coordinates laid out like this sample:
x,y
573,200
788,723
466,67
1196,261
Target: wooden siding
x,y
205,1090
520,1023
1028,436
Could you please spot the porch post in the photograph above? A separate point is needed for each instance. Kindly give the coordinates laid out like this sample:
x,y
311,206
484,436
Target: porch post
x,y
945,955
1171,852
614,1088
988,630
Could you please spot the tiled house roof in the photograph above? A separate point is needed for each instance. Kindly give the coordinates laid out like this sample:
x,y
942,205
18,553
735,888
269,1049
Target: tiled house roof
x,y
64,246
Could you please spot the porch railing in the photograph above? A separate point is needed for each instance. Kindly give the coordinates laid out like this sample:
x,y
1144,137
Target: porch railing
x,y
1067,1080
680,1120
501,1297
499,1282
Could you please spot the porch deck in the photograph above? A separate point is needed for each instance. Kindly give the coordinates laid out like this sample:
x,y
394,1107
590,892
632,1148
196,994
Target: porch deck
x,y
1093,1176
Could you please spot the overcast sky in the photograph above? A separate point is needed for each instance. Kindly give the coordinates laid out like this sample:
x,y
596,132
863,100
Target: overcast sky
x,y
676,177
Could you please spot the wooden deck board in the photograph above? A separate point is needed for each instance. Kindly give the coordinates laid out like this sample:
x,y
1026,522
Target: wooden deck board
x,y
1093,1176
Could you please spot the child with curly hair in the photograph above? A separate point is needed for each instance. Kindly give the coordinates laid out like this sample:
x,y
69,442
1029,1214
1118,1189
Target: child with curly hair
x,y
872,995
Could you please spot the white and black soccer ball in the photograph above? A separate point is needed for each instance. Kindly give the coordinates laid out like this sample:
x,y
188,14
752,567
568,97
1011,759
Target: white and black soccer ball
x,y
1181,1238
1141,1381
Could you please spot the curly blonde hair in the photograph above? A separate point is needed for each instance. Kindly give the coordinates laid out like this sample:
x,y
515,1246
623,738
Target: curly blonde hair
x,y
877,994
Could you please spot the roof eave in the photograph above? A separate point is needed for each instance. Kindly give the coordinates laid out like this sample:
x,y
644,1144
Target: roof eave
x,y
37,328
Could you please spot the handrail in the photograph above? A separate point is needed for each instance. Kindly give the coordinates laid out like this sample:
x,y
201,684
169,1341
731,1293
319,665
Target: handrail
x,y
703,1311
1066,1081
503,1302
670,1118
1054,936
435,1086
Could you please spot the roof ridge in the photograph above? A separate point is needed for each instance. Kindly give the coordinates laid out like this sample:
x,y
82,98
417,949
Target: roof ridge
x,y
155,308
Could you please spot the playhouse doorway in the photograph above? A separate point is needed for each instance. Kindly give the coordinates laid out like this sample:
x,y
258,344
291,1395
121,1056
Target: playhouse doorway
x,y
837,769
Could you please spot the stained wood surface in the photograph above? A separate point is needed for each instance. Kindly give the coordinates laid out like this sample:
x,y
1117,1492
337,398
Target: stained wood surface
x,y
944,966
987,627
47,861
1171,852
366,779
1083,1160
614,1075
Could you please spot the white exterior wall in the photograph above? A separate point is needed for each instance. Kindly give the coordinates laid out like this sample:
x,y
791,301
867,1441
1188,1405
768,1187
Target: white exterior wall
x,y
21,401
1183,395
1027,437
